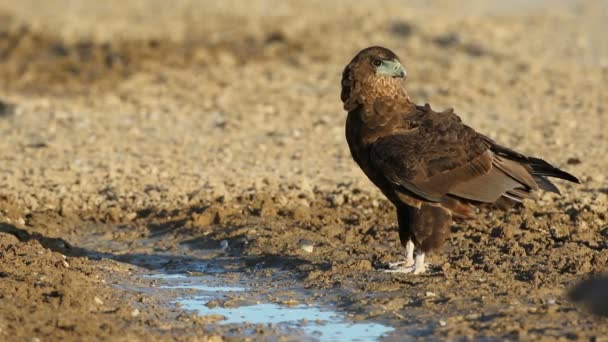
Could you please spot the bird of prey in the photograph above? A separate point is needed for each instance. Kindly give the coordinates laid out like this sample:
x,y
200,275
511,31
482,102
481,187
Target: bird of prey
x,y
429,164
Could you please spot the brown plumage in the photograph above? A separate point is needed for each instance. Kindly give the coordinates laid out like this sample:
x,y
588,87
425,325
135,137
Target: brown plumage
x,y
429,164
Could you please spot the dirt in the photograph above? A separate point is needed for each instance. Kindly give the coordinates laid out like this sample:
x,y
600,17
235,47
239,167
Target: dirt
x,y
136,137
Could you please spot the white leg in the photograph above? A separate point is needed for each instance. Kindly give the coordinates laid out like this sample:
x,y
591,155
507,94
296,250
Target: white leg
x,y
409,256
409,253
419,265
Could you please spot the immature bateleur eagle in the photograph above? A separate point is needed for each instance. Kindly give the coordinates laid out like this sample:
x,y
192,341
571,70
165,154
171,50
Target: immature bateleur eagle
x,y
429,164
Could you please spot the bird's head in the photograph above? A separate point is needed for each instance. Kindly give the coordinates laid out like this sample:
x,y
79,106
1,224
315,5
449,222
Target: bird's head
x,y
370,73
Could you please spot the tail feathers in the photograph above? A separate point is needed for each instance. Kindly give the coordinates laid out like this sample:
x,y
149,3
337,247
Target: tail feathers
x,y
546,184
539,167
542,169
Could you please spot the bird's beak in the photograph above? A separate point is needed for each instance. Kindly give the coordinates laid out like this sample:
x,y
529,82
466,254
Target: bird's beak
x,y
392,68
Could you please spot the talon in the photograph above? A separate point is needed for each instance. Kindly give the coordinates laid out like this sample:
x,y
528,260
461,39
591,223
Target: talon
x,y
405,270
407,263
409,257
416,267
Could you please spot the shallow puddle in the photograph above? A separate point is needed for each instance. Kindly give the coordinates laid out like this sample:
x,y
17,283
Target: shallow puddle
x,y
307,321
240,295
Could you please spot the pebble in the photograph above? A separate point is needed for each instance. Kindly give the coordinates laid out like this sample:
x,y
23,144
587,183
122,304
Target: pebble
x,y
290,302
213,318
336,200
306,246
135,313
62,263
224,244
131,216
212,304
98,301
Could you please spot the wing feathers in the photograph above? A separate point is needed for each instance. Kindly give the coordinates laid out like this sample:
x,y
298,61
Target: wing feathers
x,y
439,157
515,170
487,188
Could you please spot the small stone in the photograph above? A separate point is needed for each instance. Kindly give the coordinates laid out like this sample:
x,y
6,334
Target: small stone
x,y
62,263
131,216
268,209
113,214
559,232
364,265
135,313
306,246
300,213
208,217
212,304
573,161
430,294
224,244
336,200
213,318
442,323
290,302
98,301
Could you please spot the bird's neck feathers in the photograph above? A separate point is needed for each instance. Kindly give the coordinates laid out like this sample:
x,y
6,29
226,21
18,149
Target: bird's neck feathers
x,y
386,89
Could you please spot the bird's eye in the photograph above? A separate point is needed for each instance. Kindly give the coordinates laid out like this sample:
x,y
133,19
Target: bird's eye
x,y
377,63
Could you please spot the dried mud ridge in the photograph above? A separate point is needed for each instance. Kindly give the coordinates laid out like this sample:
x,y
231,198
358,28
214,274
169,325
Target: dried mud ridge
x,y
504,275
41,62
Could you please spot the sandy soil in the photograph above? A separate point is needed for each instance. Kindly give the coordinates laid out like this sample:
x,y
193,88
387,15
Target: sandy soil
x,y
197,124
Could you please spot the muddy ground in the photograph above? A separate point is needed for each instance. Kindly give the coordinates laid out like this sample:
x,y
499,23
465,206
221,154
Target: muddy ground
x,y
137,137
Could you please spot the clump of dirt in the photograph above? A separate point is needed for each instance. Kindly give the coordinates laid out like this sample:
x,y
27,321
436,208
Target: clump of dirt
x,y
48,295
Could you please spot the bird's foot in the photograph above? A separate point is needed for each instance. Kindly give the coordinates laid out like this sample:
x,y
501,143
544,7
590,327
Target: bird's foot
x,y
405,269
415,269
416,266
407,263
409,257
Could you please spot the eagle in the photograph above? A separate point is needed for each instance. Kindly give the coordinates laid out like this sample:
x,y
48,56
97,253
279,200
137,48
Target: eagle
x,y
429,165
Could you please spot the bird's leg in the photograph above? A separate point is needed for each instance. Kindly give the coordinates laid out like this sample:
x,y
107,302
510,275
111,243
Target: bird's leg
x,y
409,263
419,265
409,256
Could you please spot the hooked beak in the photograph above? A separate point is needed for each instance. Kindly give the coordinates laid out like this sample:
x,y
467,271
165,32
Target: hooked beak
x,y
392,68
